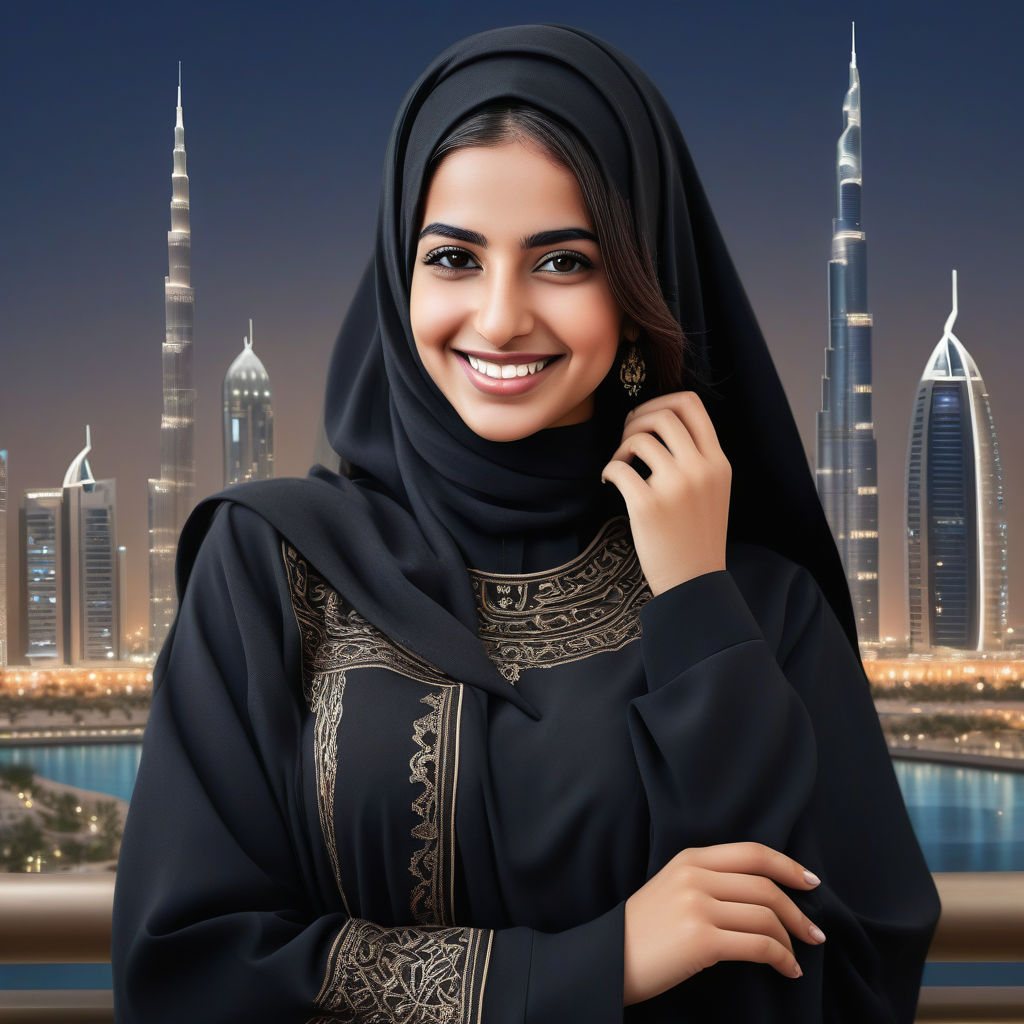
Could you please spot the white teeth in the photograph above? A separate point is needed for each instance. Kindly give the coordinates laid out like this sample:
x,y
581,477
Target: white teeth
x,y
505,370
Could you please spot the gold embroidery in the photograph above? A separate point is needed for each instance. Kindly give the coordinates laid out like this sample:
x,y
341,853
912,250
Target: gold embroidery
x,y
417,975
581,608
336,639
435,764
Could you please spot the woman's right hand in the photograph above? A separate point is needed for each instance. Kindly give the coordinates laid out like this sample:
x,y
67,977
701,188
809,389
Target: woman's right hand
x,y
713,903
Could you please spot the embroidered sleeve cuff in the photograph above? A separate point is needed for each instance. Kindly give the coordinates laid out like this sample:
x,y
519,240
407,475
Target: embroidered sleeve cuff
x,y
690,622
549,978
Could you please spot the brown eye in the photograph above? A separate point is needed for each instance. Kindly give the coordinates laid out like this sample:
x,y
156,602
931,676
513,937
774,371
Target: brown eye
x,y
565,263
453,259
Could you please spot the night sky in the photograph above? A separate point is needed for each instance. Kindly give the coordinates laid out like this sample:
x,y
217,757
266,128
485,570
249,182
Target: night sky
x,y
287,111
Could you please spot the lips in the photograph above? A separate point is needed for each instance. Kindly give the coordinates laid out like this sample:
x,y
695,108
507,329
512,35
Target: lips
x,y
525,370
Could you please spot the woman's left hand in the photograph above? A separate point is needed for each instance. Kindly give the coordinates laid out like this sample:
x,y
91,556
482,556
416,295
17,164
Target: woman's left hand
x,y
680,513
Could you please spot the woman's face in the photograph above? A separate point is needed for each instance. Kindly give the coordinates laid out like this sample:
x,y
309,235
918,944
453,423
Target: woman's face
x,y
508,275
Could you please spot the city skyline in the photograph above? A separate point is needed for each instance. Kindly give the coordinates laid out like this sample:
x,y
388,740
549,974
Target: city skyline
x,y
286,185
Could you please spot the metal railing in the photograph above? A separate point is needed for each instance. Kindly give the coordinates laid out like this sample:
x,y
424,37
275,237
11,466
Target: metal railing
x,y
61,918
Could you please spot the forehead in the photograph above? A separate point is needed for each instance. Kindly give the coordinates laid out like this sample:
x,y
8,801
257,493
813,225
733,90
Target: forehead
x,y
513,187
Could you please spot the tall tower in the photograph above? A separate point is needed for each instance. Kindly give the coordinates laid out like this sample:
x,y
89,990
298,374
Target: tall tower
x,y
92,585
955,544
846,456
248,418
172,495
41,577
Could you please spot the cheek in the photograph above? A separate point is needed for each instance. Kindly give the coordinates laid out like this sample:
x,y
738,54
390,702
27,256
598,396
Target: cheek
x,y
434,317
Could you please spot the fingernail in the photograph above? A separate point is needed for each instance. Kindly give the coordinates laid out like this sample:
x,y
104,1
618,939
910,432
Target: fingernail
x,y
817,934
812,879
798,973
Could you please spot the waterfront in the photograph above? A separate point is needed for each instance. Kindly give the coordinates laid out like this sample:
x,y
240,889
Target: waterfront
x,y
967,818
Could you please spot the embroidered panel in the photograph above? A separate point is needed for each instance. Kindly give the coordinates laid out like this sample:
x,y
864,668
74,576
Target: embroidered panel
x,y
584,607
418,975
336,639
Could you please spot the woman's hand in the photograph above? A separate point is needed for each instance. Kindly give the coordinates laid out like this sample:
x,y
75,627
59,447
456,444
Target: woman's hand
x,y
680,513
713,903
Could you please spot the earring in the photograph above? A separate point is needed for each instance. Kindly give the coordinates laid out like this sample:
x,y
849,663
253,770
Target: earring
x,y
633,370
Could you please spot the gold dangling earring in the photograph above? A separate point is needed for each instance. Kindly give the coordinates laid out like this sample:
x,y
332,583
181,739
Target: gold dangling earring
x,y
633,370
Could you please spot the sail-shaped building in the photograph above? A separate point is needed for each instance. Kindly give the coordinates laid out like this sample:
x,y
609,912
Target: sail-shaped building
x,y
248,418
172,494
846,457
956,537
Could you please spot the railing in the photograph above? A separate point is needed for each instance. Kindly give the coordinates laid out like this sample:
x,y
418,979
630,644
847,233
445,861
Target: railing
x,y
58,918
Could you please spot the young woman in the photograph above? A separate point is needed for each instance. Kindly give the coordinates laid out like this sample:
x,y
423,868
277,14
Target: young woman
x,y
548,707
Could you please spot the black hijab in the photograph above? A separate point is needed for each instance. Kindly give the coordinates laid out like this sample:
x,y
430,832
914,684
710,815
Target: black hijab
x,y
388,536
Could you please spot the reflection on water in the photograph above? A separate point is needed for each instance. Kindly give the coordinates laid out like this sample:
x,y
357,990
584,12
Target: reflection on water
x,y
966,819
104,767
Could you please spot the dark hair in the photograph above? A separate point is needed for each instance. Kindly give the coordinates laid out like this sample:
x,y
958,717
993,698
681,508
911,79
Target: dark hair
x,y
628,263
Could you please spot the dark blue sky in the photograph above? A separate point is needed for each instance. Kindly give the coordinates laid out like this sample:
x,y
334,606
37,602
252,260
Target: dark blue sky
x,y
287,111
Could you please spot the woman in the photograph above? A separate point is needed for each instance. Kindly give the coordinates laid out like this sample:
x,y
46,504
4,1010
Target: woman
x,y
501,725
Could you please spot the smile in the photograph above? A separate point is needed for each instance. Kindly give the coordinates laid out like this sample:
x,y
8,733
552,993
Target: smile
x,y
506,377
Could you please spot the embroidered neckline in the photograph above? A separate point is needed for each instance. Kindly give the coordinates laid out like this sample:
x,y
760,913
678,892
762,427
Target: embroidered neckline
x,y
583,607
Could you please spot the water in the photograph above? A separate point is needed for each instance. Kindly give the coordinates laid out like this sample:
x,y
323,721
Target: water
x,y
966,819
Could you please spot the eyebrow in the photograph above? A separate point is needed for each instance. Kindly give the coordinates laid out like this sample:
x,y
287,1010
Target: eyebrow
x,y
534,241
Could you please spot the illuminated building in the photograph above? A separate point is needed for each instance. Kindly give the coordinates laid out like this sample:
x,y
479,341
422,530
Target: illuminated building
x,y
172,495
955,543
70,587
41,576
92,603
248,418
3,557
846,467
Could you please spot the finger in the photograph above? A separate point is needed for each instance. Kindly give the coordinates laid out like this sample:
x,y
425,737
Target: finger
x,y
648,448
630,483
757,890
749,917
667,425
697,421
690,409
758,949
751,859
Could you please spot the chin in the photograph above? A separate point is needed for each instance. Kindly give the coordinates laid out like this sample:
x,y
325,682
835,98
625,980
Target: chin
x,y
505,427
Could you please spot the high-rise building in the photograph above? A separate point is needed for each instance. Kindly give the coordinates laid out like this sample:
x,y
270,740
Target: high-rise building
x,y
41,576
956,539
92,587
846,468
70,584
3,557
172,495
248,418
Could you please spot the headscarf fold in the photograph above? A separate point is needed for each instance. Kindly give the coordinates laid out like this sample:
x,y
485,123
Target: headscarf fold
x,y
388,534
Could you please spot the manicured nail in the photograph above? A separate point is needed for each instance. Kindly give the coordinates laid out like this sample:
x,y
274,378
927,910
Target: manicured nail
x,y
798,973
817,934
812,879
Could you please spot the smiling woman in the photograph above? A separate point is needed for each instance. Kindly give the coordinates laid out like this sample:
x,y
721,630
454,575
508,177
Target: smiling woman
x,y
516,336
464,733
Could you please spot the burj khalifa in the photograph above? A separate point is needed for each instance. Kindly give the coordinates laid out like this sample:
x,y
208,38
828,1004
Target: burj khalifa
x,y
172,495
846,457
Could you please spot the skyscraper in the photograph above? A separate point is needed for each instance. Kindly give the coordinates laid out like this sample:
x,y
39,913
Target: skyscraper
x,y
846,456
41,576
92,586
248,418
70,584
3,557
955,544
172,495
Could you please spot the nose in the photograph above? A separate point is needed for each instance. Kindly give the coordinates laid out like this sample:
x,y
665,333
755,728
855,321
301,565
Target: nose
x,y
503,311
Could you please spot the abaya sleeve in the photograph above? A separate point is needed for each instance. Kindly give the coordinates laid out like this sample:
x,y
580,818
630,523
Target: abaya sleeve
x,y
224,908
761,727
